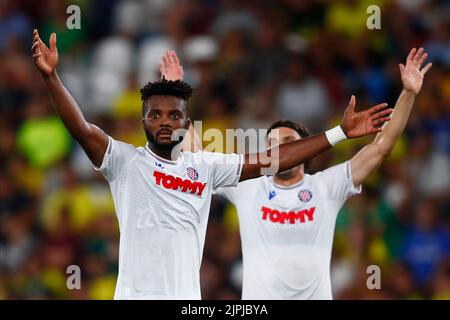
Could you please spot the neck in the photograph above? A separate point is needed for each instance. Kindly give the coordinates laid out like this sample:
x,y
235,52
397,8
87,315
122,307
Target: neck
x,y
290,180
165,153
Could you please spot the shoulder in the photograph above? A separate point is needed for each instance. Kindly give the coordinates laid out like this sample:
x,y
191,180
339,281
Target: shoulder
x,y
209,157
336,171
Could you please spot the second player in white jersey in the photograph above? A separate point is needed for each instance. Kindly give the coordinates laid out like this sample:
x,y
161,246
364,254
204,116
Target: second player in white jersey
x,y
287,232
287,221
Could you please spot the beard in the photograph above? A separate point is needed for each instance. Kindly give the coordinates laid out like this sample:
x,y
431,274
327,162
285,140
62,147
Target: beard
x,y
287,174
161,146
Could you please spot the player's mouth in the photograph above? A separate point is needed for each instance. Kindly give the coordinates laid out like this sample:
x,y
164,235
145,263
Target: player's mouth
x,y
164,134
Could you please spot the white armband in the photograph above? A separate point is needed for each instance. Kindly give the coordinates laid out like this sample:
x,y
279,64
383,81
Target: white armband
x,y
335,135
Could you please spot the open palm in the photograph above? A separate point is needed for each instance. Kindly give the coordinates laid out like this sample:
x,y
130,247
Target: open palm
x,y
412,76
44,58
170,67
358,124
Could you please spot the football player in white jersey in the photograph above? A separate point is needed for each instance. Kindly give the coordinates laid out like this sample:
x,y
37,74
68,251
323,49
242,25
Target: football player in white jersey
x,y
161,195
287,221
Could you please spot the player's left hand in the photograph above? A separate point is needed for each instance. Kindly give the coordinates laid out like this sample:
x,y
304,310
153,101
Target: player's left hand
x,y
412,76
170,67
358,124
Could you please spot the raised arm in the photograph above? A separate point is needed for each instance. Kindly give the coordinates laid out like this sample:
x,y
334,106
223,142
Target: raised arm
x,y
372,155
354,125
93,140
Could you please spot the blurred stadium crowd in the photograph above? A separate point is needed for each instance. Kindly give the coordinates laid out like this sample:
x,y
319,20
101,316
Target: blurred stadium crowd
x,y
250,63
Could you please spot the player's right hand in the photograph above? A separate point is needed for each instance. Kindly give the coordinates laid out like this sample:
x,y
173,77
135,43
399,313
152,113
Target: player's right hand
x,y
44,58
170,67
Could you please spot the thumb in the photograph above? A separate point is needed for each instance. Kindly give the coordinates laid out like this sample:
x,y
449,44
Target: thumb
x,y
402,68
351,104
53,42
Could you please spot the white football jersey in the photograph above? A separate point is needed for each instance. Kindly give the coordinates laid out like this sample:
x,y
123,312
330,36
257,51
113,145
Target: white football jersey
x,y
162,207
287,233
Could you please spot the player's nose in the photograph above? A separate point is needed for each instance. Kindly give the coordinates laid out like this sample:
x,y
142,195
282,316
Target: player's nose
x,y
164,121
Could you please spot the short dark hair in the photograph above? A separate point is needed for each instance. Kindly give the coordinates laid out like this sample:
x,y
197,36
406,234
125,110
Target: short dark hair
x,y
300,129
163,87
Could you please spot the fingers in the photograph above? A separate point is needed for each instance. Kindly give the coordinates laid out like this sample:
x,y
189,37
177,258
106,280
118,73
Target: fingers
x,y
34,45
422,59
380,121
53,42
418,56
426,68
376,130
166,61
37,43
351,104
377,108
175,58
36,37
411,55
382,113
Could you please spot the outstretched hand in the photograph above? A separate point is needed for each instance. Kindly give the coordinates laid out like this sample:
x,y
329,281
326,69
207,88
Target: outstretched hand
x,y
170,67
358,124
44,58
412,75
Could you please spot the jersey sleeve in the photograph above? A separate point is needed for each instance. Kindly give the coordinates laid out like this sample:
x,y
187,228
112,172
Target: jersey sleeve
x,y
225,169
228,193
118,154
338,183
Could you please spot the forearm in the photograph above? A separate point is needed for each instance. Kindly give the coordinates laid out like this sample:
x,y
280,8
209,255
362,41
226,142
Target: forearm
x,y
66,107
393,129
91,138
372,155
284,157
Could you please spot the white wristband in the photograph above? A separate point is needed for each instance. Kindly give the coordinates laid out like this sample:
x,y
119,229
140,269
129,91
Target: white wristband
x,y
335,135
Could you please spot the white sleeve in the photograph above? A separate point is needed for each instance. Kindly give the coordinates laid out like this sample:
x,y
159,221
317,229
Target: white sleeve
x,y
118,154
225,169
338,182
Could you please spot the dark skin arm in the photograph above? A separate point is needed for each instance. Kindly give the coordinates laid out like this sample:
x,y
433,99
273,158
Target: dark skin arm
x,y
91,138
289,155
303,150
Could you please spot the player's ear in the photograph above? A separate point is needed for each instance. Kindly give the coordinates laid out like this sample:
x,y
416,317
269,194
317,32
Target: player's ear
x,y
188,123
143,123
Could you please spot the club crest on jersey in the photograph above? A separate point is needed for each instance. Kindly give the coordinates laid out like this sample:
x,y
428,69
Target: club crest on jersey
x,y
304,195
192,173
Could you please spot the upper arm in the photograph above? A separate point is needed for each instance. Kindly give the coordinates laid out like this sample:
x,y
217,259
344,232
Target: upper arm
x,y
338,182
365,162
225,169
94,142
117,156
